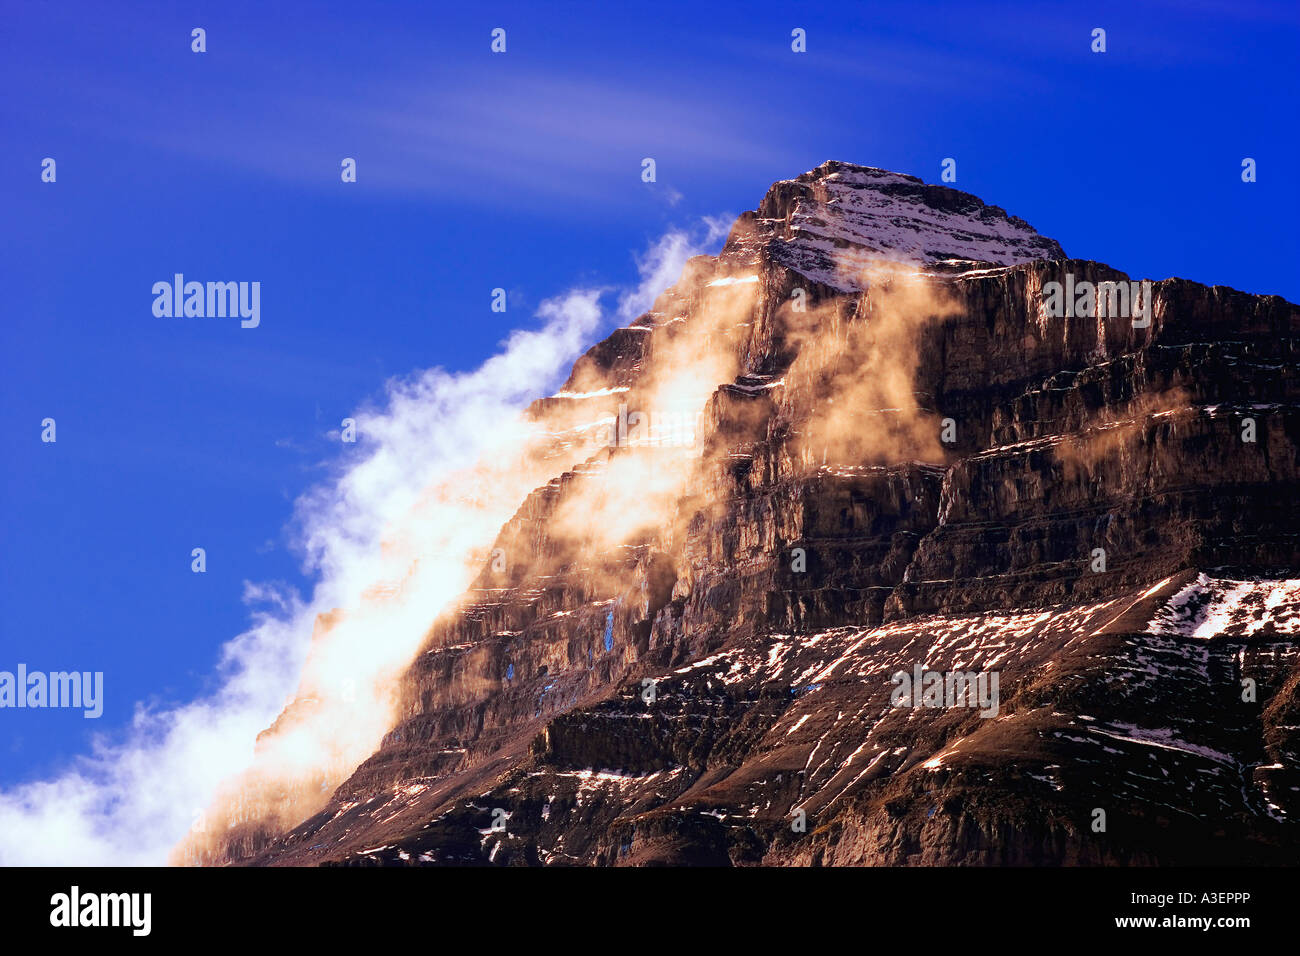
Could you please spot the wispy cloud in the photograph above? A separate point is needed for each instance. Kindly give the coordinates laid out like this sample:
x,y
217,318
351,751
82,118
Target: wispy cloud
x,y
662,263
529,133
424,491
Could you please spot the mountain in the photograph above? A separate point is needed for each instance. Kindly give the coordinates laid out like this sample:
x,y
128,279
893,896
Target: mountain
x,y
890,434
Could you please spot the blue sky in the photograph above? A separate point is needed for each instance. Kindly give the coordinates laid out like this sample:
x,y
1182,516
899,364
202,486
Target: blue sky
x,y
478,170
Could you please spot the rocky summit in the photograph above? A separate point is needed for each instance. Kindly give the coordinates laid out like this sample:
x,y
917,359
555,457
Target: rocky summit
x,y
855,552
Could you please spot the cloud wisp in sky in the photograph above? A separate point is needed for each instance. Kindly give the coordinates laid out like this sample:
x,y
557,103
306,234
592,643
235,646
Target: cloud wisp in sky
x,y
392,538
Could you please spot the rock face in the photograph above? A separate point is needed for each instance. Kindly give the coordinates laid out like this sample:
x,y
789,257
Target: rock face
x,y
688,655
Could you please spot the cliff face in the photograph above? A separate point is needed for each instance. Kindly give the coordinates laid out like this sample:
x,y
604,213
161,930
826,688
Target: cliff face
x,y
804,472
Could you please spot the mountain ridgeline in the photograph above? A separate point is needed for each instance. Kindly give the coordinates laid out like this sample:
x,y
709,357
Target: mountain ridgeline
x,y
860,450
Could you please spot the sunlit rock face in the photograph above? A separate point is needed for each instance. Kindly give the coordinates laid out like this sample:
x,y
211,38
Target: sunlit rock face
x,y
855,445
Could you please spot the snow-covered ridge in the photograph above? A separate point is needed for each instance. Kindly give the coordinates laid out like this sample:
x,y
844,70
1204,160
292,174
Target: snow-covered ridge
x,y
839,219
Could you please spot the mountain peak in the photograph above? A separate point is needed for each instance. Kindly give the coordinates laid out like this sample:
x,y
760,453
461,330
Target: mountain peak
x,y
831,222
692,459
